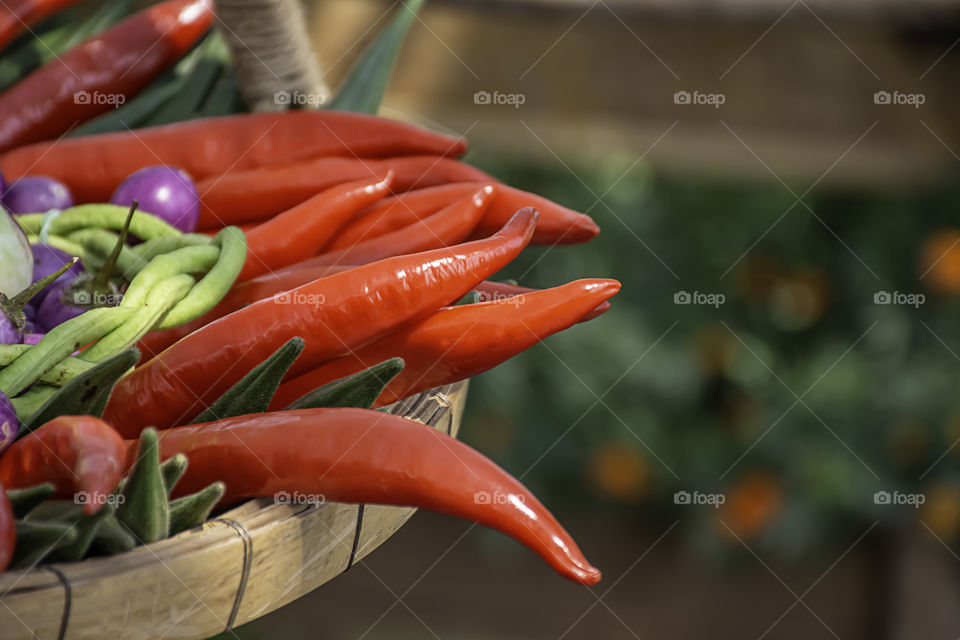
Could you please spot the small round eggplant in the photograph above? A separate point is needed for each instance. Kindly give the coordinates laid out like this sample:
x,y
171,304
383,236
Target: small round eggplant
x,y
166,192
36,194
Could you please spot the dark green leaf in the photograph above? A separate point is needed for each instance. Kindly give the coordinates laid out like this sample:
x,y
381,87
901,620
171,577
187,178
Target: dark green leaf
x,y
358,390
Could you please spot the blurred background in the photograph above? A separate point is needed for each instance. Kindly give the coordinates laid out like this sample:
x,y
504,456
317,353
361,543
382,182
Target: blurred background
x,y
760,439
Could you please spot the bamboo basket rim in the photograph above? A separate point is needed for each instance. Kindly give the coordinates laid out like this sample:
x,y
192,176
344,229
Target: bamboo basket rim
x,y
236,567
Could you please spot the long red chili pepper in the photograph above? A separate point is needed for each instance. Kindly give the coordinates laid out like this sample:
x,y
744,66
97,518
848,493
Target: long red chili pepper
x,y
75,453
8,530
17,15
356,455
463,341
334,315
100,72
494,291
302,231
442,229
558,225
258,194
93,166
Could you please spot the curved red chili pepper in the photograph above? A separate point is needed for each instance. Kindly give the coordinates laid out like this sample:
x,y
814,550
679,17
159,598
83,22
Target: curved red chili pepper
x,y
460,342
558,225
17,15
94,76
298,233
334,315
356,455
93,166
75,453
8,531
500,291
259,194
442,229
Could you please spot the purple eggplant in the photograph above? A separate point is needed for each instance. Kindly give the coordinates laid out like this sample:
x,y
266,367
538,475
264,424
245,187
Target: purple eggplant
x,y
9,423
60,305
32,338
166,192
36,194
46,260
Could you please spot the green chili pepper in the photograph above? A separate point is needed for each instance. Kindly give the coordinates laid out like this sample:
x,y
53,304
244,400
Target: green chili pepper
x,y
144,225
144,509
193,510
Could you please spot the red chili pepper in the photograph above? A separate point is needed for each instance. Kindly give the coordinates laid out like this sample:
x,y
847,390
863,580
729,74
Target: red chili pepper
x,y
17,15
93,166
300,232
442,229
334,315
8,530
463,341
361,456
493,291
100,72
259,194
75,453
558,225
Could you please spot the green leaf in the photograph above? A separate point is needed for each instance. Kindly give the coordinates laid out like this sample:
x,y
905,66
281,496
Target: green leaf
x,y
363,88
252,394
108,14
193,510
144,509
22,501
87,394
358,390
213,56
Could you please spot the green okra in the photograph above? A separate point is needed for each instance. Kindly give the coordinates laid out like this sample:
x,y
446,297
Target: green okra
x,y
143,508
112,537
37,540
172,470
87,528
358,390
193,510
22,501
252,393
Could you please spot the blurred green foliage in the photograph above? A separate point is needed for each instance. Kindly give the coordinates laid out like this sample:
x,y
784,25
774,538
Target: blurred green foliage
x,y
797,398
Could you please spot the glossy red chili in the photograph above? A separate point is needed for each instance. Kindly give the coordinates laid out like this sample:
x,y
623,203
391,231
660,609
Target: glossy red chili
x,y
334,315
18,15
75,453
356,455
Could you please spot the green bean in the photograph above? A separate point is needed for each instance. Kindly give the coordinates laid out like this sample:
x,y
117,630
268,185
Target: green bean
x,y
30,401
213,286
165,244
60,243
187,260
101,242
164,296
62,341
143,225
60,373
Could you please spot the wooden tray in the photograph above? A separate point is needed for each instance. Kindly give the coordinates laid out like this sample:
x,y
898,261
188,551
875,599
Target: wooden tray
x,y
237,567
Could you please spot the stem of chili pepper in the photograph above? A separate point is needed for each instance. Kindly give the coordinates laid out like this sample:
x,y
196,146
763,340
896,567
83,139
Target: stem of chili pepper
x,y
462,341
334,315
446,227
109,216
273,245
92,166
74,453
357,455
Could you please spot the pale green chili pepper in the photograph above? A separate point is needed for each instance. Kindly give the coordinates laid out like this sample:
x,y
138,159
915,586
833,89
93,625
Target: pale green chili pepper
x,y
143,225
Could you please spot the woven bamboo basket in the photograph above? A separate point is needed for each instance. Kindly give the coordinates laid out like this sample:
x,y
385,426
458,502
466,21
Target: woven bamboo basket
x,y
238,566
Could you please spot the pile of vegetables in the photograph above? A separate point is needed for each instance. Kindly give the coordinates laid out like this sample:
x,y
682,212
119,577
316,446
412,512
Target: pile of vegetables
x,y
203,312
